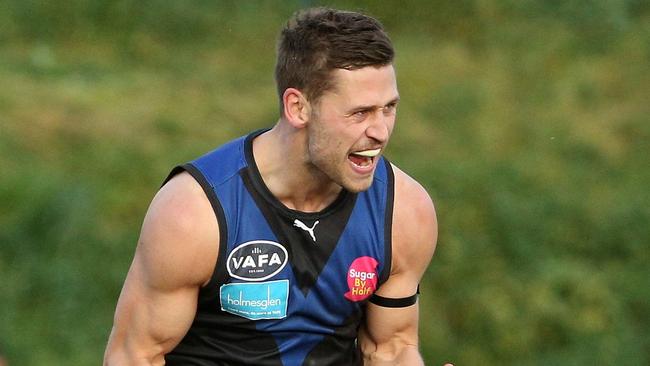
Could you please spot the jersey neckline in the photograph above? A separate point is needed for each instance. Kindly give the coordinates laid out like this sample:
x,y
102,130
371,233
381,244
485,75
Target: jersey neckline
x,y
265,192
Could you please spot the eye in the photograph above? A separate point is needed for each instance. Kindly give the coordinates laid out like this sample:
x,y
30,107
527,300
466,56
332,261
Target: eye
x,y
360,115
390,109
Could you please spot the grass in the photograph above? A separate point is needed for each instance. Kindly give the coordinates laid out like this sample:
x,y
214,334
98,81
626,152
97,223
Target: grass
x,y
526,121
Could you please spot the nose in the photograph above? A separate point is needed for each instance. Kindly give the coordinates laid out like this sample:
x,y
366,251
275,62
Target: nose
x,y
380,127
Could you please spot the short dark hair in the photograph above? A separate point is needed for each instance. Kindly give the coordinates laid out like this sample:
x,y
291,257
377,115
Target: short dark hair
x,y
316,41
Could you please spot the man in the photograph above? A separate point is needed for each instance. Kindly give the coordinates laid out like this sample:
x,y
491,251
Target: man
x,y
298,245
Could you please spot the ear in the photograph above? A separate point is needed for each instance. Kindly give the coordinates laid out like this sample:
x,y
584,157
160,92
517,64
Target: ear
x,y
296,107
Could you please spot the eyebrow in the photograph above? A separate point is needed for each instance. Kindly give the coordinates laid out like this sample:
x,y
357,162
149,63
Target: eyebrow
x,y
371,107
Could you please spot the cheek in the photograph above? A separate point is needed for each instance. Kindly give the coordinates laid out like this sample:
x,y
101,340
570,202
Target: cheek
x,y
330,136
322,142
390,125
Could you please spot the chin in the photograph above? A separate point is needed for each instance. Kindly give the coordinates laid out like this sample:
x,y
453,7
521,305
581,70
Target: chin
x,y
356,187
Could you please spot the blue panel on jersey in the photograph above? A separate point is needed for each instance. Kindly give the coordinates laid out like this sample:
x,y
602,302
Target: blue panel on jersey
x,y
265,300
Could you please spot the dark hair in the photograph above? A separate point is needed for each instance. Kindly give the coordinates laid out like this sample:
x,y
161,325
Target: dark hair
x,y
316,41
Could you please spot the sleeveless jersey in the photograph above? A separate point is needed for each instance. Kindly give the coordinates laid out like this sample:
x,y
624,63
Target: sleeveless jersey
x,y
289,287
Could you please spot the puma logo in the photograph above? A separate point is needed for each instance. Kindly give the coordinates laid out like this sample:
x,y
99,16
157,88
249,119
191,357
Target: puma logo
x,y
310,230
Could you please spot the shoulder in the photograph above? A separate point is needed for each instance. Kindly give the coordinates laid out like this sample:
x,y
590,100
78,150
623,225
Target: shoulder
x,y
180,233
415,225
411,195
180,208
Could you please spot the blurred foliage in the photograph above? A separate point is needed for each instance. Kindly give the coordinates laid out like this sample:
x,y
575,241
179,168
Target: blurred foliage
x,y
527,121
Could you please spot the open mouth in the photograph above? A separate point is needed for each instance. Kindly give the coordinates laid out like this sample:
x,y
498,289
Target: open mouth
x,y
365,158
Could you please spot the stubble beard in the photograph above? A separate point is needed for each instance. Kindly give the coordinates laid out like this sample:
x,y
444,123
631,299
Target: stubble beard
x,y
325,158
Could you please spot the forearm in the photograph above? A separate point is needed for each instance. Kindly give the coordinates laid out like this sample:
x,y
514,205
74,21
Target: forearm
x,y
119,357
410,355
407,355
121,351
122,356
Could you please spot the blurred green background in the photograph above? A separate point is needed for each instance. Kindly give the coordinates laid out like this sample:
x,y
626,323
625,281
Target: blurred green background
x,y
527,121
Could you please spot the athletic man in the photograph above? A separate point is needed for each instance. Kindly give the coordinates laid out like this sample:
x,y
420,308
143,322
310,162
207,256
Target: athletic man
x,y
298,245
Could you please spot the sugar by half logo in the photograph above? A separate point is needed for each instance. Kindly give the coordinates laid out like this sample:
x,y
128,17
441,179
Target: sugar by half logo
x,y
255,301
256,260
362,278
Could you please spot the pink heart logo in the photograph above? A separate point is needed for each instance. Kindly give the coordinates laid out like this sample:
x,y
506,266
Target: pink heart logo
x,y
362,278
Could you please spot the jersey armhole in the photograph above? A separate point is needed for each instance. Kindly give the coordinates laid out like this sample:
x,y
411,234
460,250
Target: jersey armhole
x,y
388,223
218,274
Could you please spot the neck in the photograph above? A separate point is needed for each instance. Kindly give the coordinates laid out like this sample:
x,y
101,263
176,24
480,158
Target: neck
x,y
282,159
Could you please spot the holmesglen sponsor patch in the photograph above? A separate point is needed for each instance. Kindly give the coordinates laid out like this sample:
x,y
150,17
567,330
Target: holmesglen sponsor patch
x,y
255,301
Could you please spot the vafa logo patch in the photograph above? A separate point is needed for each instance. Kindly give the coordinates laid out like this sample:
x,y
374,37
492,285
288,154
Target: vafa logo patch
x,y
257,260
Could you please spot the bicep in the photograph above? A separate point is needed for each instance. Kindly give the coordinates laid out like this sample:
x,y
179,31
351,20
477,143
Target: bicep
x,y
174,257
150,320
388,329
390,334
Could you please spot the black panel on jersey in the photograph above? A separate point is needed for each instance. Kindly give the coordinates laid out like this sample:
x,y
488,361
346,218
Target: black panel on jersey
x,y
245,346
388,223
330,349
308,257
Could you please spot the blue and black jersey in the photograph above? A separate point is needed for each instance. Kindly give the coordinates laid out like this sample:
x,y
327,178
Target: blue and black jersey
x,y
289,287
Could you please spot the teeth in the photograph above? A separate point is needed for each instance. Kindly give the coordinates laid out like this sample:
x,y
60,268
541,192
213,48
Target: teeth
x,y
368,153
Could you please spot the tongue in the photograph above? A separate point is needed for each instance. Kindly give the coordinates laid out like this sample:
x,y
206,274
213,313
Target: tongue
x,y
358,160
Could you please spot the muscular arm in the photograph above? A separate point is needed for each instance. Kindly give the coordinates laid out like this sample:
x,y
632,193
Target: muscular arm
x,y
390,335
175,256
